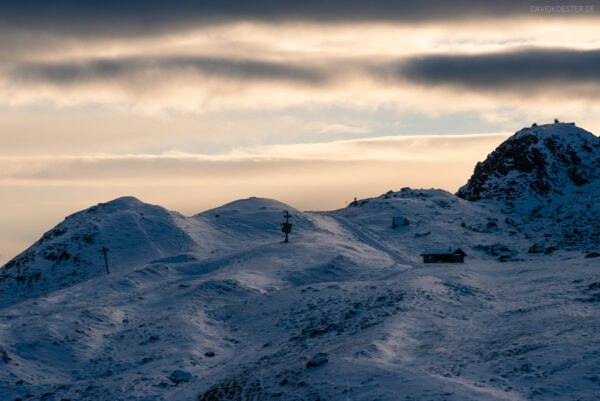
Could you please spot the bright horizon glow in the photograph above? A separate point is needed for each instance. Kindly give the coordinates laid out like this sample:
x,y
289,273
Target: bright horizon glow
x,y
40,190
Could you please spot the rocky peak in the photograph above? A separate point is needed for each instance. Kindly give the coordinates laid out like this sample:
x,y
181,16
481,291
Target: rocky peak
x,y
538,161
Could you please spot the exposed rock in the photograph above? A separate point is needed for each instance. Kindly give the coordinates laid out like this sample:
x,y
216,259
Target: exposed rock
x,y
180,376
318,360
539,160
544,176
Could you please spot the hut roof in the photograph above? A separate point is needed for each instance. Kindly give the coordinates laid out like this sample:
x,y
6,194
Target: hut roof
x,y
431,252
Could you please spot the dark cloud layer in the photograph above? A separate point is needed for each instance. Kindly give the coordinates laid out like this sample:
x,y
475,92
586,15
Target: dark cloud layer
x,y
98,70
527,68
522,69
119,17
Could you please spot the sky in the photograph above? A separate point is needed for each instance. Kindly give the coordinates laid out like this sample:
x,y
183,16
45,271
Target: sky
x,y
193,104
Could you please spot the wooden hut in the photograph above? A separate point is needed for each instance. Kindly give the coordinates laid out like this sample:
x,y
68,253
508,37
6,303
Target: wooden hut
x,y
444,256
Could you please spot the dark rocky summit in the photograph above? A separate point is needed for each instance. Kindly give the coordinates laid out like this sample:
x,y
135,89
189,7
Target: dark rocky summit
x,y
538,161
547,180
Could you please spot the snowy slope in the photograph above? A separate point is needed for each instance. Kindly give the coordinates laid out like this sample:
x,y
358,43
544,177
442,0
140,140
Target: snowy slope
x,y
216,307
134,233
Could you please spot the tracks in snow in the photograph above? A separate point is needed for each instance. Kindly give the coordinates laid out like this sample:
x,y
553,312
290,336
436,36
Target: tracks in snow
x,y
368,239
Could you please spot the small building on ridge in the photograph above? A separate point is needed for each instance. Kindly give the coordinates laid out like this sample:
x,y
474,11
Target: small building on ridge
x,y
444,256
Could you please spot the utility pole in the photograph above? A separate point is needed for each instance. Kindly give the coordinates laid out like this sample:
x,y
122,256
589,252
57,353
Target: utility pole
x,y
104,250
286,226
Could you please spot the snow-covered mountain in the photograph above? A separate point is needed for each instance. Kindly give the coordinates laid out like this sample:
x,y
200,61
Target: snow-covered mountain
x,y
134,232
547,178
216,307
540,161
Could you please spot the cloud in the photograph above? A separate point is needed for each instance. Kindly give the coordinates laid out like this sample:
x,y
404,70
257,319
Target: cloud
x,y
118,17
241,164
519,70
94,70
522,69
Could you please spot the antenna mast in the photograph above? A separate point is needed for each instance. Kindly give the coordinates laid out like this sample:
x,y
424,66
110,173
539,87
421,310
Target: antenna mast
x,y
104,250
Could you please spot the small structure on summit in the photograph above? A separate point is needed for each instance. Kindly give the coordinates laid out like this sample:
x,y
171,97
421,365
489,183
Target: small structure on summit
x,y
286,226
449,256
